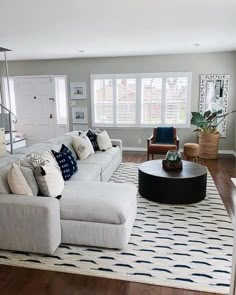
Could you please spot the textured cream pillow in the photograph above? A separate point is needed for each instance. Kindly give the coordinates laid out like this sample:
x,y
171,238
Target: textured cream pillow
x,y
50,180
17,182
82,146
104,141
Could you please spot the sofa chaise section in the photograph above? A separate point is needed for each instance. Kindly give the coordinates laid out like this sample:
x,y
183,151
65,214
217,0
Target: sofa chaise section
x,y
98,214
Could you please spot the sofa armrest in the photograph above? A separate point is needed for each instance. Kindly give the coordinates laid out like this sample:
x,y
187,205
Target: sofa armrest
x,y
117,142
30,224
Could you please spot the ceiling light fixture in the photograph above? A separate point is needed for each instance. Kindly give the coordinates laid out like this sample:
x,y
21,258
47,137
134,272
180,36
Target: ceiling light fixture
x,y
80,51
196,44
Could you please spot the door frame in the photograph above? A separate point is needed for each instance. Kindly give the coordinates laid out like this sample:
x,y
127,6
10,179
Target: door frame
x,y
54,93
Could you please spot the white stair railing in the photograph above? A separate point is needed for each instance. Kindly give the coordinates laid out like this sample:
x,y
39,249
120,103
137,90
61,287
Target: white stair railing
x,y
12,119
3,150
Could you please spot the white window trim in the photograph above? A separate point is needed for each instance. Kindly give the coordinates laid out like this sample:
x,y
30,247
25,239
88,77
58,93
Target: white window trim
x,y
138,77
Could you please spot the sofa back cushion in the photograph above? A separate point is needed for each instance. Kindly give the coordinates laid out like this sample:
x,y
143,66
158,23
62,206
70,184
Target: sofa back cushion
x,y
67,140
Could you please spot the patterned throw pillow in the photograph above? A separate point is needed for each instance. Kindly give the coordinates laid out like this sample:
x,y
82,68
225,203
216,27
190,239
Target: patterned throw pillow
x,y
93,138
83,146
66,162
65,149
41,159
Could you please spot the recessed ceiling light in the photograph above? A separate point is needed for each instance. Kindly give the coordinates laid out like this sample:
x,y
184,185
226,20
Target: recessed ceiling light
x,y
196,44
80,51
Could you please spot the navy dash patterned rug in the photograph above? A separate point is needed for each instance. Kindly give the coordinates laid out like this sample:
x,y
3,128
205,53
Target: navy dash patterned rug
x,y
177,246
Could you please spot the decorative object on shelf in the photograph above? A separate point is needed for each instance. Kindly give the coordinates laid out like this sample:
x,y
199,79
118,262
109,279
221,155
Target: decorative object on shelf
x,y
172,160
78,90
214,91
207,127
79,115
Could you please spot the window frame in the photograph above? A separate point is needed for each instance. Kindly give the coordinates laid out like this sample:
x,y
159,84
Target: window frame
x,y
139,77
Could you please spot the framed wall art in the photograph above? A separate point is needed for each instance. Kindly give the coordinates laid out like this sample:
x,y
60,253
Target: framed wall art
x,y
78,90
79,115
214,91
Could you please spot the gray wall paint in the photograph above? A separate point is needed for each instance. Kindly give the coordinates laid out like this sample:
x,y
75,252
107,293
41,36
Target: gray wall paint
x,y
80,70
234,98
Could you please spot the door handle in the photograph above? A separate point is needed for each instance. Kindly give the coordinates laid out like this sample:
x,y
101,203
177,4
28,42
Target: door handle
x,y
50,116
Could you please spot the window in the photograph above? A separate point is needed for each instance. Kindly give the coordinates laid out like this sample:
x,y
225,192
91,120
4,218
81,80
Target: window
x,y
141,100
126,101
151,101
61,99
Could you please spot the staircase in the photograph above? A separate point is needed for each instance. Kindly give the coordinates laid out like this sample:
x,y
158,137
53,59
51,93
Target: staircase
x,y
6,132
7,139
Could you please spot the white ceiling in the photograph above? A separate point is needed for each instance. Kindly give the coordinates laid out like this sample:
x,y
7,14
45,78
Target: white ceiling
x,y
46,29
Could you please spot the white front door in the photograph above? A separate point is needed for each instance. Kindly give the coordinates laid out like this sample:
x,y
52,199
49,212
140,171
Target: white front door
x,y
35,107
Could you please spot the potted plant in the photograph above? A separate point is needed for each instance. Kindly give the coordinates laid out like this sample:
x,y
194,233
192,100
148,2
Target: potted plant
x,y
207,131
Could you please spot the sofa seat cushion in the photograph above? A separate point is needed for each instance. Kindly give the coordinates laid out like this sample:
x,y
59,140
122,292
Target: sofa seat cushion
x,y
114,152
101,159
86,172
98,202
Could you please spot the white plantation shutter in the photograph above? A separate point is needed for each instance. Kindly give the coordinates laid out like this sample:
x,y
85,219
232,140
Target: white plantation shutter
x,y
176,100
103,101
136,100
126,101
151,101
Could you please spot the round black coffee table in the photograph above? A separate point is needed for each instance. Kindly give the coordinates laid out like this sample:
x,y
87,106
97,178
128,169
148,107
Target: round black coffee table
x,y
184,186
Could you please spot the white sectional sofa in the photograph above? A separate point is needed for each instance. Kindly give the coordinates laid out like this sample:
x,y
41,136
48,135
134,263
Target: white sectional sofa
x,y
91,211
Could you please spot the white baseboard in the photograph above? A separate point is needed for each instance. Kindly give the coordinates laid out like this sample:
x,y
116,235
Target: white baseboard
x,y
134,149
227,152
143,149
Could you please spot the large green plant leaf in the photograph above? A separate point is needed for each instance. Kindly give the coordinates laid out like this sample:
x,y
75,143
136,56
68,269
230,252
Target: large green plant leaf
x,y
198,120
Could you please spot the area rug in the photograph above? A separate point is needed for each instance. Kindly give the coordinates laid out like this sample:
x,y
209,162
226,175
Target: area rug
x,y
176,246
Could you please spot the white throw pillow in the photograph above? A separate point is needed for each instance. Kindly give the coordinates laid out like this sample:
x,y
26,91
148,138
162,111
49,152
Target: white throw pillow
x,y
104,141
82,146
50,180
17,182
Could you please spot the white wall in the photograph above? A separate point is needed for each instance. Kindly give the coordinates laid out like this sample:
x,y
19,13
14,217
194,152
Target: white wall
x,y
80,70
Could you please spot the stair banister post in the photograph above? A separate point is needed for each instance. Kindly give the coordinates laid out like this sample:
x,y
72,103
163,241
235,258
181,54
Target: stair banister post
x,y
9,96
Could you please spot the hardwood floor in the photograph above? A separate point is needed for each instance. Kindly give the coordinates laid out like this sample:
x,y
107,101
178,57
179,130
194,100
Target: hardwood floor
x,y
23,281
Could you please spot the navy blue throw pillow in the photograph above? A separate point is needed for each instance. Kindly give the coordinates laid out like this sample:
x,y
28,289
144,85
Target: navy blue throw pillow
x,y
165,135
66,162
93,138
